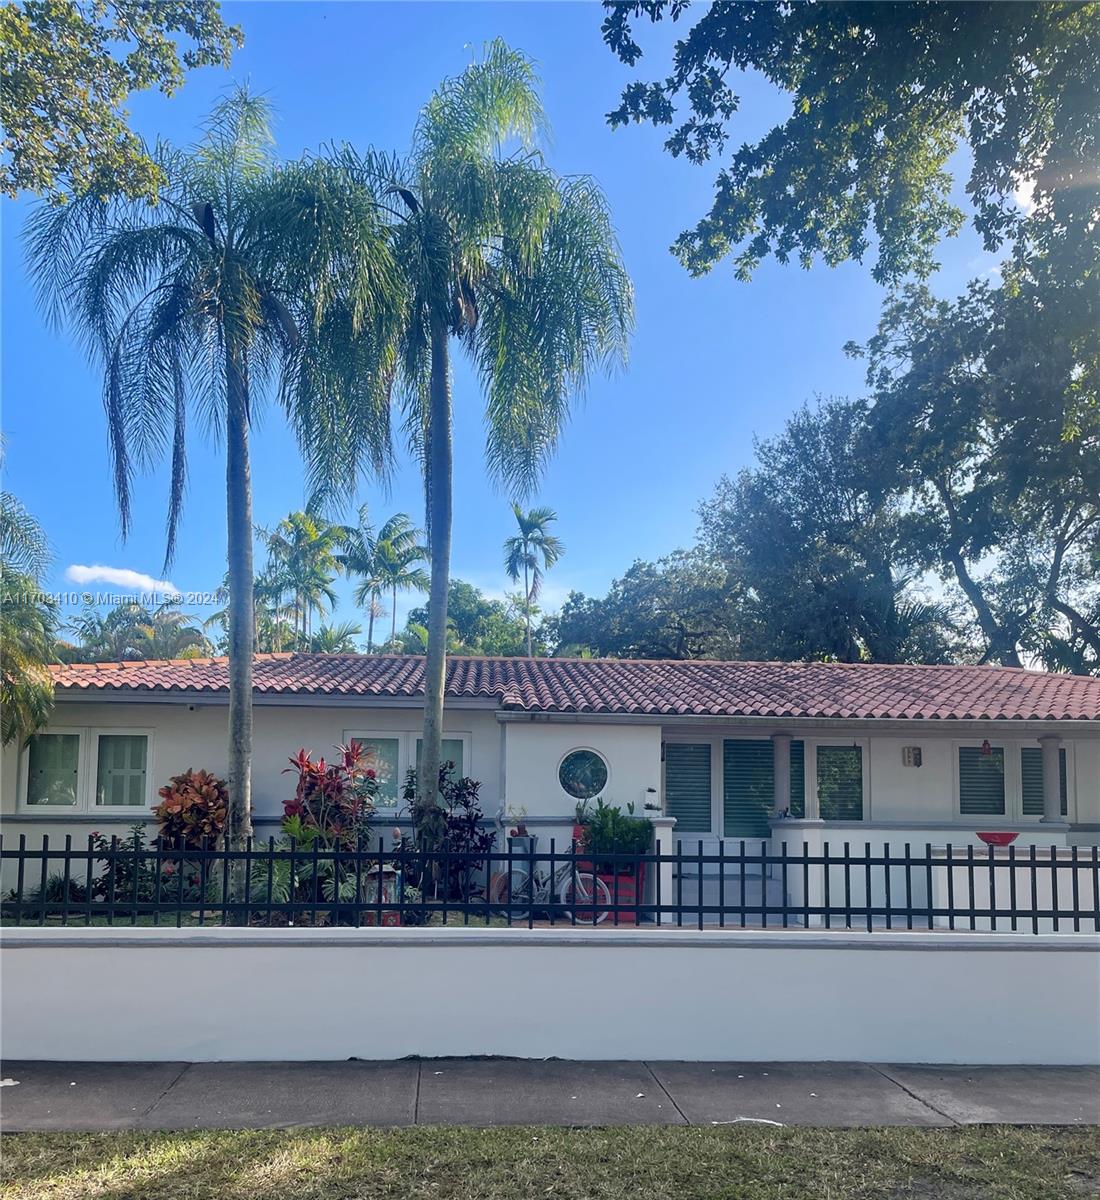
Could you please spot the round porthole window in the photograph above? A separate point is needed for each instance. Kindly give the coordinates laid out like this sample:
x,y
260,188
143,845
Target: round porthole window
x,y
583,774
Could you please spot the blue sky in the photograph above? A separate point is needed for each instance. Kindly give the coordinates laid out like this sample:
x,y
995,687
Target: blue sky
x,y
713,363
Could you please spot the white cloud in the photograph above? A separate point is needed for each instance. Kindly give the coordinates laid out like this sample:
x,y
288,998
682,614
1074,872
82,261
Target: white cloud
x,y
123,577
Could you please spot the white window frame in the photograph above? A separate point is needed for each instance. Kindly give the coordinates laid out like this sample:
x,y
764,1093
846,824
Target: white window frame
x,y
93,770
863,744
54,810
87,773
1014,782
406,753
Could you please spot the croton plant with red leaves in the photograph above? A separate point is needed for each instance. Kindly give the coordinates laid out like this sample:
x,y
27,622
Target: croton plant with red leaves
x,y
333,801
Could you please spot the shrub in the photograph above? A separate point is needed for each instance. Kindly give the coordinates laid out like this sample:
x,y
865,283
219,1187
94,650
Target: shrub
x,y
193,809
608,830
458,830
333,802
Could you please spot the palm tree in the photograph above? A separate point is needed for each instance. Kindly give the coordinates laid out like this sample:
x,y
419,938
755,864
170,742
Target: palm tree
x,y
244,277
396,569
361,557
28,622
335,639
523,552
303,560
169,633
517,263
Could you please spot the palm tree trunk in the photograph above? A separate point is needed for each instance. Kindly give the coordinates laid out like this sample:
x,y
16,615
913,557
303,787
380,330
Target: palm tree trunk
x,y
370,625
393,616
241,628
527,608
439,464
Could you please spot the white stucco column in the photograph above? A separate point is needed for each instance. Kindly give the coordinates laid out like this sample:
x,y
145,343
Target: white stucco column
x,y
781,784
664,842
1051,744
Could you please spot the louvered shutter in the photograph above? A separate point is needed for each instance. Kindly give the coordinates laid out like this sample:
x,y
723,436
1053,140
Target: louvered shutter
x,y
748,769
1031,775
687,785
981,782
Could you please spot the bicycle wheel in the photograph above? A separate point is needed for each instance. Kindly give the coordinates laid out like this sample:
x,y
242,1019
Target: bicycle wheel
x,y
512,895
576,892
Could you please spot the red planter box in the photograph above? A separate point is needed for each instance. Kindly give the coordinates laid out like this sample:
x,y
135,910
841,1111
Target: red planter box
x,y
626,891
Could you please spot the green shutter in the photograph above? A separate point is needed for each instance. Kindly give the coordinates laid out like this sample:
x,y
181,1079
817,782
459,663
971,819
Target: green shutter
x,y
748,769
798,779
687,785
1031,774
840,782
981,782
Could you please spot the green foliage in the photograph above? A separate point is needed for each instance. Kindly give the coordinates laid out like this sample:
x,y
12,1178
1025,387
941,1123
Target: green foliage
x,y
133,631
476,625
69,69
609,830
530,552
880,97
302,562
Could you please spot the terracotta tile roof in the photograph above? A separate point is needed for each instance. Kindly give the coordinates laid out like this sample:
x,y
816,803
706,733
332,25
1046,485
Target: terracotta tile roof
x,y
660,688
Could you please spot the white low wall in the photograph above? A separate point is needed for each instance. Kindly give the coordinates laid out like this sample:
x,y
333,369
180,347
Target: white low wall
x,y
209,995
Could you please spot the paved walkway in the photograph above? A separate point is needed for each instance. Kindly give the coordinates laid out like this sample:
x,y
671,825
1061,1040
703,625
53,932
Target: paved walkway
x,y
91,1096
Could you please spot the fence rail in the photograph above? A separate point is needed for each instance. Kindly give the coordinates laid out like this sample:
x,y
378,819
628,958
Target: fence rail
x,y
272,884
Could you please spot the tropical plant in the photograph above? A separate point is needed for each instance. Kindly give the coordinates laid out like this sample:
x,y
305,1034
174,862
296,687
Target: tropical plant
x,y
333,802
462,839
303,561
517,263
245,275
606,829
336,639
529,553
132,631
28,623
383,561
193,809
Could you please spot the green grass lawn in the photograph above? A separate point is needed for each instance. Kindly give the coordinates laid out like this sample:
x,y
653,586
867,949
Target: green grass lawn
x,y
731,1163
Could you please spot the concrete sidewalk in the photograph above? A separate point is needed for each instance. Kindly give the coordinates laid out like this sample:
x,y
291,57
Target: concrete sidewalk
x,y
96,1096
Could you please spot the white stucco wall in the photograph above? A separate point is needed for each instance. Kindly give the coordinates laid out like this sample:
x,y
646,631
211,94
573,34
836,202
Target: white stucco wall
x,y
909,997
534,750
183,738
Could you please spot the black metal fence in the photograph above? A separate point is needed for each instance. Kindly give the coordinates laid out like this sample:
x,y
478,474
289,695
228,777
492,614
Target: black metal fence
x,y
117,882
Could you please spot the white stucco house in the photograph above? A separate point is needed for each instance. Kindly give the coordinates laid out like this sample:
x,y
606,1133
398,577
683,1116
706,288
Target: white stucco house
x,y
730,750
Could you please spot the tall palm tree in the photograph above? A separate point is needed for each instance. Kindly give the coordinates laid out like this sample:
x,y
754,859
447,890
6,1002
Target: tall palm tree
x,y
302,555
517,263
244,278
28,623
529,553
396,568
361,557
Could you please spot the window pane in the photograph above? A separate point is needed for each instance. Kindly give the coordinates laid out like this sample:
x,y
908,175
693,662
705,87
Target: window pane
x,y
120,777
381,756
1031,775
52,768
583,774
840,782
981,781
450,750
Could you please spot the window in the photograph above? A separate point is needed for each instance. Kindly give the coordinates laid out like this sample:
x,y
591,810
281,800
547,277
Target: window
x,y
53,765
687,785
748,788
382,755
451,750
583,774
1031,779
121,770
86,770
840,783
982,781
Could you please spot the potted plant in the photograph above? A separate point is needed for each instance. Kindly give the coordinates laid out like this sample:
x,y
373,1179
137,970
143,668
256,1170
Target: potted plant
x,y
519,839
608,831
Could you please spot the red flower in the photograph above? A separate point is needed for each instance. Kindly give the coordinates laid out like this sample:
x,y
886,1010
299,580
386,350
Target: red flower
x,y
371,773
